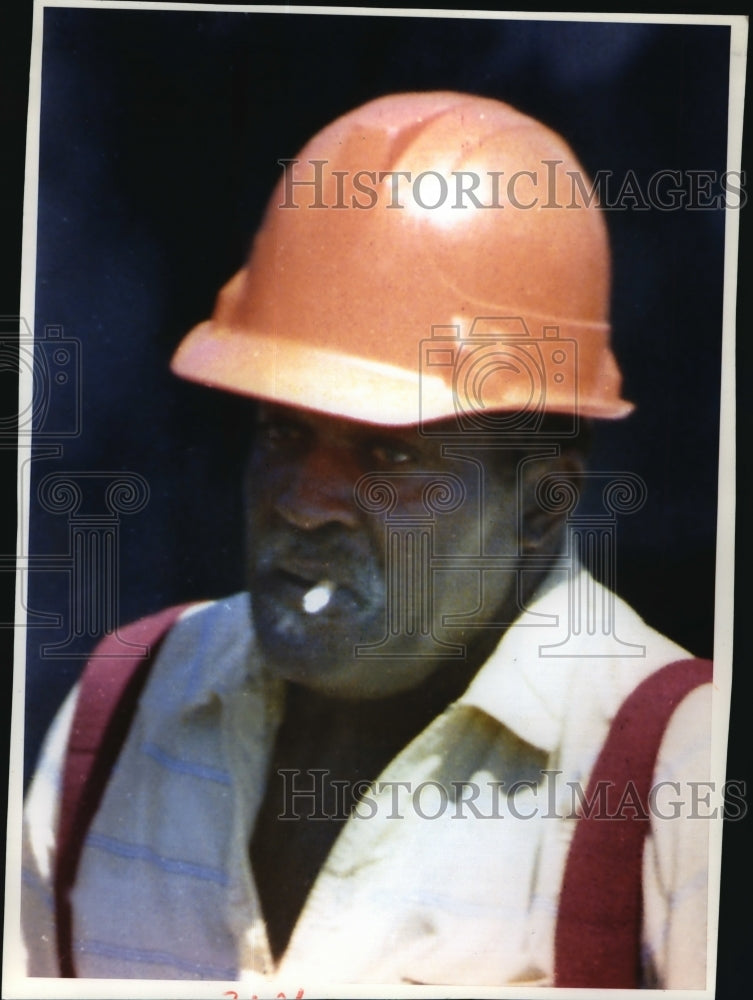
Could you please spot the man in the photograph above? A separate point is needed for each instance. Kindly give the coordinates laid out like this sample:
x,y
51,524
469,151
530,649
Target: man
x,y
366,769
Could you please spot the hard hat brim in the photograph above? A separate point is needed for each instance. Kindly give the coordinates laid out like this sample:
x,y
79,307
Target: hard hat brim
x,y
303,375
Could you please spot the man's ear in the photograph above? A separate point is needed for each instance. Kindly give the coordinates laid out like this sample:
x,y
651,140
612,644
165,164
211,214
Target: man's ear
x,y
543,511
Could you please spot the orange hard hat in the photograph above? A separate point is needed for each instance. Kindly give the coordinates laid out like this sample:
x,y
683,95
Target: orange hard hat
x,y
425,255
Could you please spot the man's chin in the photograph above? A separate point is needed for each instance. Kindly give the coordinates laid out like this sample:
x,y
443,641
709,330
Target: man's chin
x,y
326,662
319,649
309,649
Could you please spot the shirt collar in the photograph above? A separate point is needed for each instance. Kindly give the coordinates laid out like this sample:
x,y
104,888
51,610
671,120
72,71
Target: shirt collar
x,y
518,686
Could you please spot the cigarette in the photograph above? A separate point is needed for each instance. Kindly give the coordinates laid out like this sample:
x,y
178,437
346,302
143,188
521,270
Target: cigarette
x,y
316,599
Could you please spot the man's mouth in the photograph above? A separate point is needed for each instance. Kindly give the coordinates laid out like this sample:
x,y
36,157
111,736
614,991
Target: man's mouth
x,y
312,592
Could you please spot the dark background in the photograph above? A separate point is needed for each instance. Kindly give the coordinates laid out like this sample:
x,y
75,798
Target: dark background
x,y
161,133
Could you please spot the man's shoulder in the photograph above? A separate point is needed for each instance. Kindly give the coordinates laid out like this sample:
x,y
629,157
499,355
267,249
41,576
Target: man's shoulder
x,y
223,618
573,657
232,610
645,650
208,650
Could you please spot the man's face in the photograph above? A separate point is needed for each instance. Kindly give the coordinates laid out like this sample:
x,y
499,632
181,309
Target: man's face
x,y
353,580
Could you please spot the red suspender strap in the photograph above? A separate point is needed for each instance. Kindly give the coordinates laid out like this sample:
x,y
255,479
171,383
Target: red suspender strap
x,y
597,941
109,690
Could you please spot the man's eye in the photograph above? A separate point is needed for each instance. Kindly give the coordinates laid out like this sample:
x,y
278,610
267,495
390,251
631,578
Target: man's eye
x,y
387,454
278,434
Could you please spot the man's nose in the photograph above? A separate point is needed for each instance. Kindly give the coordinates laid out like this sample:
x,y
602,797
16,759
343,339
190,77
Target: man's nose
x,y
319,490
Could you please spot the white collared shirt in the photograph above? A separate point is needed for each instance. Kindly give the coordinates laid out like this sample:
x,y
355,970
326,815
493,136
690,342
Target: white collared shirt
x,y
438,878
